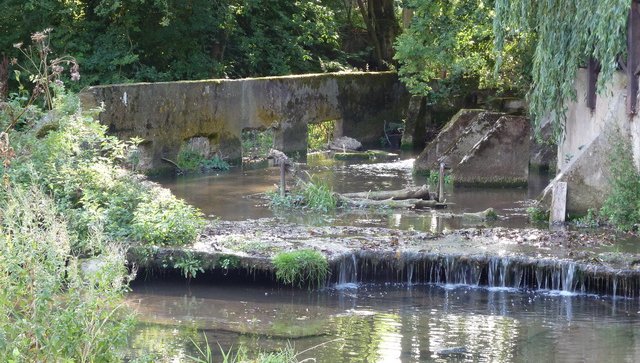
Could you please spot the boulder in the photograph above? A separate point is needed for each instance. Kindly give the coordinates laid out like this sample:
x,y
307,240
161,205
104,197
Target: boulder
x,y
345,143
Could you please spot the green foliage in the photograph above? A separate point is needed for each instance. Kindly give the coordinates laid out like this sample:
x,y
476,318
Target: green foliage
x,y
302,267
567,35
284,355
51,307
228,262
189,265
622,206
590,220
448,50
318,196
190,160
320,134
68,153
256,144
433,177
215,163
315,195
491,215
161,219
538,215
160,40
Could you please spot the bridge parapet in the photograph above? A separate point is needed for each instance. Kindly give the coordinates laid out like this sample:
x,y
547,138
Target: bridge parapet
x,y
170,115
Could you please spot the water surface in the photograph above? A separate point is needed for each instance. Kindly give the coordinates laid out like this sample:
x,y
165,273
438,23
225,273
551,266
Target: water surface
x,y
232,195
392,323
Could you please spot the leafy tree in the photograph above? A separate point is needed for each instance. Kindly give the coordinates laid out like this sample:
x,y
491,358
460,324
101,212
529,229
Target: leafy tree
x,y
159,40
448,48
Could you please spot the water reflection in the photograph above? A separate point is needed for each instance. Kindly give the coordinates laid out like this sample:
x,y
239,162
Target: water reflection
x,y
393,323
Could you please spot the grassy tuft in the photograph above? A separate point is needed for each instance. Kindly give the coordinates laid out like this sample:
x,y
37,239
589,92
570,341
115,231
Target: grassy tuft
x,y
303,267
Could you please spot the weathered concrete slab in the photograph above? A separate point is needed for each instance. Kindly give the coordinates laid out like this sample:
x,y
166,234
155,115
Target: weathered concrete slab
x,y
428,158
500,158
586,175
476,130
168,115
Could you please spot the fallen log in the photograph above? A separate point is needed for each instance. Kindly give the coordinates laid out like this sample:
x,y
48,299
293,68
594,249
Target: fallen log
x,y
392,203
421,192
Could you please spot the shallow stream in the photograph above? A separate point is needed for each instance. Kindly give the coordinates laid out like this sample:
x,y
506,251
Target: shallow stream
x,y
232,195
375,322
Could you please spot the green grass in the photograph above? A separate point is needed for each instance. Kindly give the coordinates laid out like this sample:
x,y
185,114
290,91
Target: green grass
x,y
315,195
301,268
190,160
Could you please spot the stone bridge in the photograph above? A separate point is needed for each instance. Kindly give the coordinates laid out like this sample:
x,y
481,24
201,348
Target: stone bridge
x,y
213,113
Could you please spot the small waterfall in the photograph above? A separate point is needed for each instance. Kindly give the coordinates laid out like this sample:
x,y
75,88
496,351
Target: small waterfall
x,y
410,268
489,271
348,271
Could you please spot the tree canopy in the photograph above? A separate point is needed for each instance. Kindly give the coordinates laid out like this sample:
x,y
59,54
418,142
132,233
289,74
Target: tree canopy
x,y
159,40
449,48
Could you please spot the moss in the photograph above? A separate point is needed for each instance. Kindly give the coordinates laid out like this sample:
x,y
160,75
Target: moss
x,y
363,155
491,182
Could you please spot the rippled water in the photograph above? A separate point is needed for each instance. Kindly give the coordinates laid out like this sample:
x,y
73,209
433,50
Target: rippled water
x,y
231,195
393,323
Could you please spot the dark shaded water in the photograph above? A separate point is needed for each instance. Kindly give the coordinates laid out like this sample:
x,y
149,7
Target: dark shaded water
x,y
392,323
228,195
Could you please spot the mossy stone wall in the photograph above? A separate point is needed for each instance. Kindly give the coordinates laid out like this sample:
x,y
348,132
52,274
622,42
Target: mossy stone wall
x,y
168,114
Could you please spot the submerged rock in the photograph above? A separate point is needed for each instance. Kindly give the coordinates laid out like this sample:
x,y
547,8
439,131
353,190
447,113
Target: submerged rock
x,y
345,143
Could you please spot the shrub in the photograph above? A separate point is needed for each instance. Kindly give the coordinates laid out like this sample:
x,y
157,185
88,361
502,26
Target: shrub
x,y
315,195
192,161
303,267
85,171
51,308
161,219
538,215
622,206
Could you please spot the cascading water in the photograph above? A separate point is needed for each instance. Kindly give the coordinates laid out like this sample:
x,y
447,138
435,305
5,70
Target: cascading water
x,y
348,271
489,271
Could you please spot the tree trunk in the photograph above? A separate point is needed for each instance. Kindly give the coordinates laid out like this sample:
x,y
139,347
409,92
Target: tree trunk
x,y
382,26
390,203
421,192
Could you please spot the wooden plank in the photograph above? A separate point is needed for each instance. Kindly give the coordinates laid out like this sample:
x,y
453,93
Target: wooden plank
x,y
559,203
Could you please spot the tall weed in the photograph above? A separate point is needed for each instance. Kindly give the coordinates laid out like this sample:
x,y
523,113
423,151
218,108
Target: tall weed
x,y
51,308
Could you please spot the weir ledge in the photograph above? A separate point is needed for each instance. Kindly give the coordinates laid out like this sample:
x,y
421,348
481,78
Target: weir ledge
x,y
475,270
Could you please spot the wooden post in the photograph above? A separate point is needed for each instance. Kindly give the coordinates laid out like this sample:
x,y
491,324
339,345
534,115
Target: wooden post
x,y
441,183
283,181
559,203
